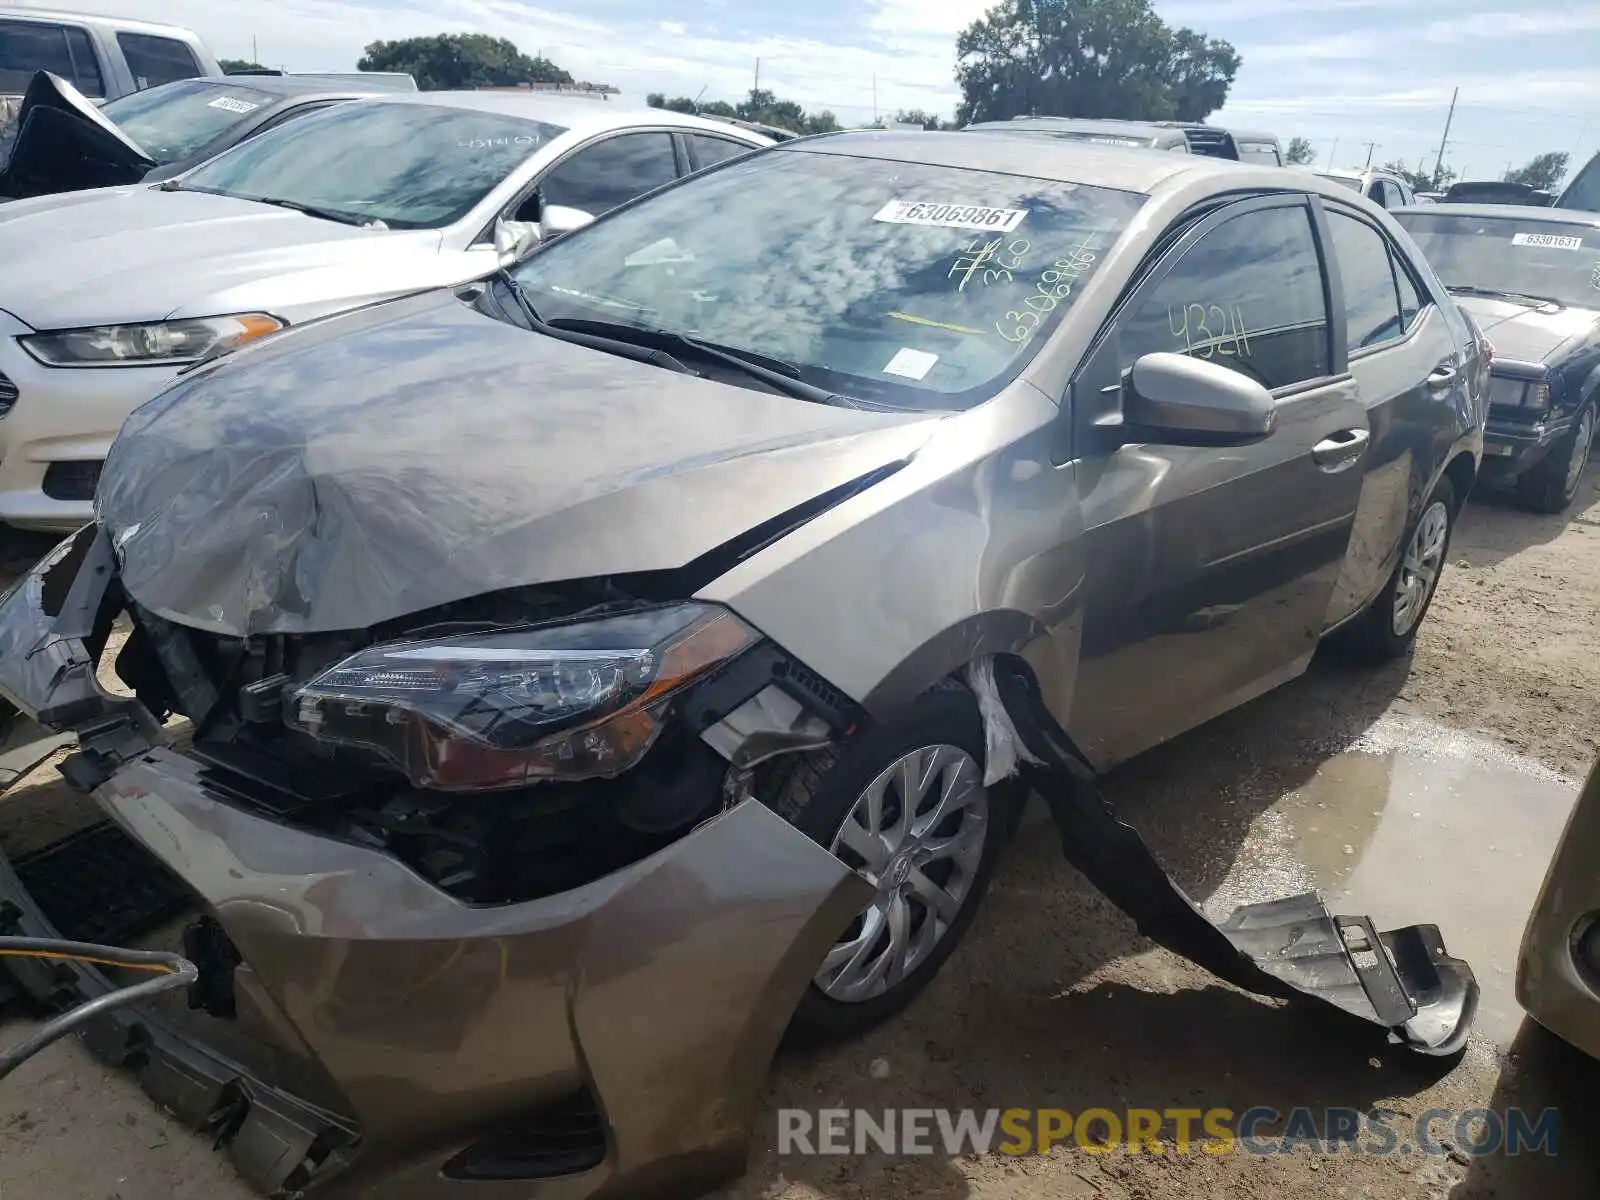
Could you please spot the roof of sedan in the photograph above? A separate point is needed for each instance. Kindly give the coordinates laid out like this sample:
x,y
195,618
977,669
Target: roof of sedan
x,y
285,86
1128,169
1520,212
570,112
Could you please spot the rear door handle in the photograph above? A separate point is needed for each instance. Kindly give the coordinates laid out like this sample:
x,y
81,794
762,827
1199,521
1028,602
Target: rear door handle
x,y
1340,450
1442,376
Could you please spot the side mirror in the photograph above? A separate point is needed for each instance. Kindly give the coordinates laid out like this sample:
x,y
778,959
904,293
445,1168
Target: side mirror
x,y
557,219
1176,400
513,239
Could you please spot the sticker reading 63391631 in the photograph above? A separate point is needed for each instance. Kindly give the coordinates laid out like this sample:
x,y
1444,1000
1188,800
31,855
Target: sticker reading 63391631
x,y
1554,241
950,216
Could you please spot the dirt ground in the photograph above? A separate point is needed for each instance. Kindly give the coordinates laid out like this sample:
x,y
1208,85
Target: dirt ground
x,y
1054,1001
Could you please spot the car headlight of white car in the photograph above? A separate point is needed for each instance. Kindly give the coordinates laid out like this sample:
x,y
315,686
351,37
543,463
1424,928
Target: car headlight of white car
x,y
158,343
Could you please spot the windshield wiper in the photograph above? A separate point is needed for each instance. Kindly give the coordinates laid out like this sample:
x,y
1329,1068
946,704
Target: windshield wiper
x,y
1514,297
622,349
781,377
325,214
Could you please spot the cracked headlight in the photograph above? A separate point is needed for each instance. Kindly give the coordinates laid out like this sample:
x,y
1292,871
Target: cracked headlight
x,y
160,343
509,707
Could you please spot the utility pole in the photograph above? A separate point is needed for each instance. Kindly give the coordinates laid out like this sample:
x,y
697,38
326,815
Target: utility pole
x,y
874,97
1334,149
255,51
1371,146
758,76
1438,162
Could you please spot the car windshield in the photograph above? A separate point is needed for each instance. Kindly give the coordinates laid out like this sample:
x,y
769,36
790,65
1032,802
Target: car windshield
x,y
174,121
1351,182
1510,254
899,283
411,166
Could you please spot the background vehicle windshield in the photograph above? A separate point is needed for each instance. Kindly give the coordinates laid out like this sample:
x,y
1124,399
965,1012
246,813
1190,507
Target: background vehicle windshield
x,y
174,121
411,166
911,285
1537,258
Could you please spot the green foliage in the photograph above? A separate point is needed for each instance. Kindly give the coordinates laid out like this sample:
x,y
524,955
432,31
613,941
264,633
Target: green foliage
x,y
760,106
1544,171
232,65
916,116
1422,181
450,61
1299,153
1088,58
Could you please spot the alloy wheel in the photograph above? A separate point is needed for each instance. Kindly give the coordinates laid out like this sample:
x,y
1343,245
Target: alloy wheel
x,y
1419,570
917,833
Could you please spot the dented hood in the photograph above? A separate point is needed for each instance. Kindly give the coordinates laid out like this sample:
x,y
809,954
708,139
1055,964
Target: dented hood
x,y
1528,334
420,452
64,143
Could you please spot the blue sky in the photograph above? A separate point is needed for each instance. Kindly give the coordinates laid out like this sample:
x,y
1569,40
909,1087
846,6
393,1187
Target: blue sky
x,y
1340,72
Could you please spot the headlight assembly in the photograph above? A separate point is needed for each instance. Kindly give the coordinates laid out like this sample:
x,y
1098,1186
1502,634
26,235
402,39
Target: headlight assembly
x,y
160,343
509,707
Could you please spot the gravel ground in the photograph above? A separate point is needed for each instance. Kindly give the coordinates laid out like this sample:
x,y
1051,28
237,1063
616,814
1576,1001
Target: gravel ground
x,y
1055,1001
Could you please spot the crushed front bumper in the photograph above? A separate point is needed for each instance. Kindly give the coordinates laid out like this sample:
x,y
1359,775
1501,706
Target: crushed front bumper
x,y
612,1039
1513,447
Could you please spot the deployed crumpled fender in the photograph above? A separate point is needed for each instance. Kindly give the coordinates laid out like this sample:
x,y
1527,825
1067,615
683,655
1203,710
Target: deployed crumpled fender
x,y
1402,980
64,143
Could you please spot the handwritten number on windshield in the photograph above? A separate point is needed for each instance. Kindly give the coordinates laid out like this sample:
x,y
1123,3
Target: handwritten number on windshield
x,y
1054,285
987,257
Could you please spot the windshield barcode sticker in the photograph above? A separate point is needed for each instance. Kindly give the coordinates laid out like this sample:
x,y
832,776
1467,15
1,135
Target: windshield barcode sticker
x,y
1554,241
950,216
229,104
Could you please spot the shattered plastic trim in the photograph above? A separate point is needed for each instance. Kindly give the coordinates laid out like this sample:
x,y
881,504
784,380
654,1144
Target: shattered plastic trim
x,y
1004,751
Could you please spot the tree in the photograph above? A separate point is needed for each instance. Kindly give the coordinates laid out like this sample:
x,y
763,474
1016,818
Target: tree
x,y
232,66
1421,181
1300,153
760,106
1088,58
1542,171
448,61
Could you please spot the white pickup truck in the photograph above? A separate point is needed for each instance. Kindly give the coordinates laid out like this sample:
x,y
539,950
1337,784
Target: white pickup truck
x,y
103,57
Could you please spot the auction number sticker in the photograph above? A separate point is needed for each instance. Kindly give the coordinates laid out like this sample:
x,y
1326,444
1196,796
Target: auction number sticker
x,y
229,104
950,216
1554,241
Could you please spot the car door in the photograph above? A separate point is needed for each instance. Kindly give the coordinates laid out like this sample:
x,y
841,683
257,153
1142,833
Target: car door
x,y
1208,571
1406,362
597,177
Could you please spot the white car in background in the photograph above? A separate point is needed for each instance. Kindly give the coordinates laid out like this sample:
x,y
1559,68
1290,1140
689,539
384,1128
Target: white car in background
x,y
1382,188
107,295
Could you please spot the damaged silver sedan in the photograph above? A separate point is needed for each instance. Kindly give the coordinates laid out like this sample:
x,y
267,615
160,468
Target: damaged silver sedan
x,y
541,696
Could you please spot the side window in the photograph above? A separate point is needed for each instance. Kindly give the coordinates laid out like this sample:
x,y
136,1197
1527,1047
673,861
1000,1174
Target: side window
x,y
1371,304
1248,295
1411,301
85,63
156,60
611,172
708,150
27,47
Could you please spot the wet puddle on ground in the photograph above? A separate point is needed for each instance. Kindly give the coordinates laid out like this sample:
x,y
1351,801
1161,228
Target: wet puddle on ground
x,y
1419,823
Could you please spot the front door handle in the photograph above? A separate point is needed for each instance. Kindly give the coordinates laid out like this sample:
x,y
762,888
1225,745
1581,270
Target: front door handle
x,y
1442,376
1340,450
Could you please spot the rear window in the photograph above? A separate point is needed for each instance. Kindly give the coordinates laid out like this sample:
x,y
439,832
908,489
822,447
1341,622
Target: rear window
x,y
28,47
157,60
1584,191
174,121
1261,153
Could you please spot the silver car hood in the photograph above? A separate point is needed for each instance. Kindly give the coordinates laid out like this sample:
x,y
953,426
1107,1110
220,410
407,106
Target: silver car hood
x,y
139,254
419,452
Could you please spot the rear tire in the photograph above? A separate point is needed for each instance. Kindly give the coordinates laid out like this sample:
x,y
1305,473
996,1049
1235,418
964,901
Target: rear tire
x,y
854,800
1552,484
1388,626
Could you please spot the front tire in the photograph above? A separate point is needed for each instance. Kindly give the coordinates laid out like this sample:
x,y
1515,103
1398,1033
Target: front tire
x,y
1553,483
1388,627
905,806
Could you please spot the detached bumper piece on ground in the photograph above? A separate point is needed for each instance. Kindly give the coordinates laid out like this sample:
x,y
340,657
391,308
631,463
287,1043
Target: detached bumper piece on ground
x,y
353,1026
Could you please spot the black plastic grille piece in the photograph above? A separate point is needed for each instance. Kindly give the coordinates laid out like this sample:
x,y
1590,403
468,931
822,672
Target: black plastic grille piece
x,y
71,480
8,394
563,1137
98,885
